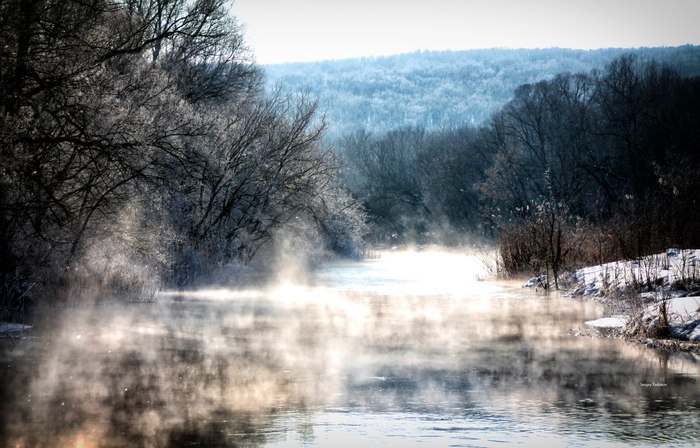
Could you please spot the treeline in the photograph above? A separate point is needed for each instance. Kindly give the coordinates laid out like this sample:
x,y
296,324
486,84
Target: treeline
x,y
138,145
582,168
432,89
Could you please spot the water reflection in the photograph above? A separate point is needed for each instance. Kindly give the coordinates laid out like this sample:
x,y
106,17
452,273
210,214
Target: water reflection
x,y
345,362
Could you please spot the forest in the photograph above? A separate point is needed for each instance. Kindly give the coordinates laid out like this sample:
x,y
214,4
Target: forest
x,y
142,147
434,89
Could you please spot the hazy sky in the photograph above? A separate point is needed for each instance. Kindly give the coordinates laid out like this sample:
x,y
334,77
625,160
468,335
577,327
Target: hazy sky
x,y
304,30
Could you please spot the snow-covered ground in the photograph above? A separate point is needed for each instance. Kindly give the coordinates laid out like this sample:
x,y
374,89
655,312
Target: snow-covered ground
x,y
659,270
668,280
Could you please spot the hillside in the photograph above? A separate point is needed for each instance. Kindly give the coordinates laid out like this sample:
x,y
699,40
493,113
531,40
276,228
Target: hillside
x,y
436,89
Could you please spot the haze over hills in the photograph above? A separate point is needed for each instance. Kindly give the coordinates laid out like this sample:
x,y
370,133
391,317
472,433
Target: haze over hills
x,y
443,89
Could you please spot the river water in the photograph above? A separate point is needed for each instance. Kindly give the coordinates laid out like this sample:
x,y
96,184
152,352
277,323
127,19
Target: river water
x,y
412,349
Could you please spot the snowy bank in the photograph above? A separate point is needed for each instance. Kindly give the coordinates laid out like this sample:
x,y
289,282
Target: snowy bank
x,y
664,270
661,292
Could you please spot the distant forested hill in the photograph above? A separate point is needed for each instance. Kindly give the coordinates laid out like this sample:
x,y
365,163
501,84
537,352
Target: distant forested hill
x,y
436,89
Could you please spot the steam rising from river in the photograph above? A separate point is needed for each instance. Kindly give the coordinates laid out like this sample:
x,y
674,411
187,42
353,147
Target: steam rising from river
x,y
409,332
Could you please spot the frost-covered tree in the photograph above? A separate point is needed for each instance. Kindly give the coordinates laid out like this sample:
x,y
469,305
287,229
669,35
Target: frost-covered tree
x,y
141,126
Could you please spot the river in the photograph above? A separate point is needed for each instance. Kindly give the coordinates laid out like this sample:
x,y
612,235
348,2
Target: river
x,y
411,349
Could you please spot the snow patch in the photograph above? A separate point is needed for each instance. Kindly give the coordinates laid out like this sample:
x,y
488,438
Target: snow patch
x,y
612,322
683,307
669,279
682,314
537,282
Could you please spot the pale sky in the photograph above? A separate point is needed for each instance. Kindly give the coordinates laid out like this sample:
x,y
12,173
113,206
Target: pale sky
x,y
308,30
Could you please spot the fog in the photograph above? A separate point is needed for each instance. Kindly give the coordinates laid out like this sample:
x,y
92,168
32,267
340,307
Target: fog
x,y
345,353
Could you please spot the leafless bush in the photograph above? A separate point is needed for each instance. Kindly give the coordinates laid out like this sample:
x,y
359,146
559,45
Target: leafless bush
x,y
549,240
492,262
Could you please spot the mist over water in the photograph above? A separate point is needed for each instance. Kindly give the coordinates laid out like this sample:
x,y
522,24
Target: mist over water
x,y
413,348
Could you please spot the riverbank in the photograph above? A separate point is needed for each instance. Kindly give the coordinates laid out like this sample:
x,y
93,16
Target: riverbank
x,y
654,300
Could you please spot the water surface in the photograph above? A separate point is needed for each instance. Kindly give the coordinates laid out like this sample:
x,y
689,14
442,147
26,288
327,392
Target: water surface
x,y
413,349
